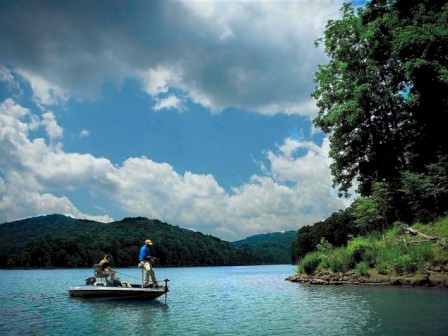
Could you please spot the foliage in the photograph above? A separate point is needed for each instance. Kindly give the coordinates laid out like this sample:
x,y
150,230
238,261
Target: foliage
x,y
310,263
405,264
272,248
335,230
391,252
362,268
59,241
374,212
324,247
340,260
382,96
362,249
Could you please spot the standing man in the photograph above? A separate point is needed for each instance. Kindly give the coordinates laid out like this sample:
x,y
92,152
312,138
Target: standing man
x,y
145,262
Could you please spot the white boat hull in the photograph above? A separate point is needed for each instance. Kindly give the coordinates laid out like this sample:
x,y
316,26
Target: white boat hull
x,y
136,292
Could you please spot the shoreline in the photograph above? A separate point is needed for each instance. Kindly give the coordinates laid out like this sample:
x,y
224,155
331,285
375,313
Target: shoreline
x,y
325,278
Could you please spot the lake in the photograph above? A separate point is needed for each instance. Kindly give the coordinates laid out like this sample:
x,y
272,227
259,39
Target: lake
x,y
247,300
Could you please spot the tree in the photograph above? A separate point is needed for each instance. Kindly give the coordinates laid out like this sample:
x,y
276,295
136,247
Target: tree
x,y
377,211
382,95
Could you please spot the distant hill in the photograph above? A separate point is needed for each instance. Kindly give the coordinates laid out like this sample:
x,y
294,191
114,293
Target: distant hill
x,y
272,248
60,241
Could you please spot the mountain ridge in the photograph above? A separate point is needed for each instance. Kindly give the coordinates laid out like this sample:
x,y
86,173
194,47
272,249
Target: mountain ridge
x,y
62,241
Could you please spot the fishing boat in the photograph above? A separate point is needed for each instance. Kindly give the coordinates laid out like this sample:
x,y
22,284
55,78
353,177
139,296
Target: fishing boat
x,y
106,289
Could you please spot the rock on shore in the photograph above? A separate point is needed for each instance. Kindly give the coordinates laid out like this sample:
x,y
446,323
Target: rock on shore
x,y
428,279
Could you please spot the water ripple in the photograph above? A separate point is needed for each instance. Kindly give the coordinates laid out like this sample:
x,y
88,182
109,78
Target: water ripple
x,y
218,301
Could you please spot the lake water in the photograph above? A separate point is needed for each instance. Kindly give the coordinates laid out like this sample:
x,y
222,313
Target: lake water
x,y
249,300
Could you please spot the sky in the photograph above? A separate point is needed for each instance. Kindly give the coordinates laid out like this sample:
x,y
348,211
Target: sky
x,y
198,114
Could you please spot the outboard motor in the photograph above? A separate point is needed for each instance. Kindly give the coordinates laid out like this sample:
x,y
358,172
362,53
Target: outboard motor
x,y
90,281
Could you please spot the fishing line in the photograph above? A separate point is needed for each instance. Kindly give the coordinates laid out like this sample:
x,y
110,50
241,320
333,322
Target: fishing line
x,y
131,276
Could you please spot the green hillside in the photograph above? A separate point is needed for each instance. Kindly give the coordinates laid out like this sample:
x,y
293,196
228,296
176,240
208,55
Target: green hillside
x,y
60,241
272,248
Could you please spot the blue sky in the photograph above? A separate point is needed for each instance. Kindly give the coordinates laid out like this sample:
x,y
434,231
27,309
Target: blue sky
x,y
195,113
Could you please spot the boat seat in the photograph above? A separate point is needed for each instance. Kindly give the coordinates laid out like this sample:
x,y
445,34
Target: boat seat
x,y
101,284
98,272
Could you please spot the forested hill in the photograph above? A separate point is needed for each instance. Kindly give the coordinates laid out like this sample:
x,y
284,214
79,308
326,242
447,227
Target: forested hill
x,y
60,241
272,248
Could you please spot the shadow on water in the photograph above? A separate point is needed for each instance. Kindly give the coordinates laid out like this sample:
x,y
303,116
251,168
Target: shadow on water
x,y
122,302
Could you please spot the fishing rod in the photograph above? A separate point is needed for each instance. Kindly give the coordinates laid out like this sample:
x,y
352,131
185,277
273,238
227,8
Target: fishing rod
x,y
130,276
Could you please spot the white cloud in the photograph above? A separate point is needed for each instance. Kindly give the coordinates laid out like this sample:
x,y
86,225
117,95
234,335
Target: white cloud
x,y
170,102
31,168
158,80
44,93
54,131
295,191
254,55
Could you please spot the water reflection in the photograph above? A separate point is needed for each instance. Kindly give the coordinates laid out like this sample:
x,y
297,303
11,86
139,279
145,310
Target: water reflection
x,y
126,317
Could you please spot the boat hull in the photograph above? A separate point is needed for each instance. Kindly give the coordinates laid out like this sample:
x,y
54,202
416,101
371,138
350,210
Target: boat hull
x,y
123,293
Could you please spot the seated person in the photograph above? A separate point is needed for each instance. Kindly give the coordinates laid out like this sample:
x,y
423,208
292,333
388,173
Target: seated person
x,y
107,270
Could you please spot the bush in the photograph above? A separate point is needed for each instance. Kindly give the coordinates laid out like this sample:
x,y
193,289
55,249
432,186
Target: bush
x,y
310,263
405,264
340,260
324,247
397,229
362,249
382,267
387,254
362,268
298,269
421,252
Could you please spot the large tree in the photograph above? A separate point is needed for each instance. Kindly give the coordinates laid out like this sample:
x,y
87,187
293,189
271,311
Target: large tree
x,y
383,95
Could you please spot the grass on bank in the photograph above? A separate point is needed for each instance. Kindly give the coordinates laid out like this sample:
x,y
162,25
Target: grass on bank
x,y
391,252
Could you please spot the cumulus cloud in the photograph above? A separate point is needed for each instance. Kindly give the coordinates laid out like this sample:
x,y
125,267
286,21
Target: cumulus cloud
x,y
44,92
256,55
295,191
30,168
54,131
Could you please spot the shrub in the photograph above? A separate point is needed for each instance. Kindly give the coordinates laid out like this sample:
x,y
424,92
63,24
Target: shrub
x,y
324,247
340,260
361,249
298,269
405,264
397,229
385,257
421,252
362,268
310,262
382,267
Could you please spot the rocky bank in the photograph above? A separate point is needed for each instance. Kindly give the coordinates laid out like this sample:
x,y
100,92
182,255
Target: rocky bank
x,y
438,278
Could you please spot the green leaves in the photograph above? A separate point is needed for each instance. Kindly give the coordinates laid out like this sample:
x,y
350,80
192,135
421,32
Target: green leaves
x,y
383,90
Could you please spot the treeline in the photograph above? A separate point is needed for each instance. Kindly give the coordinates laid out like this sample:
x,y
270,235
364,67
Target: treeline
x,y
60,241
271,248
382,99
